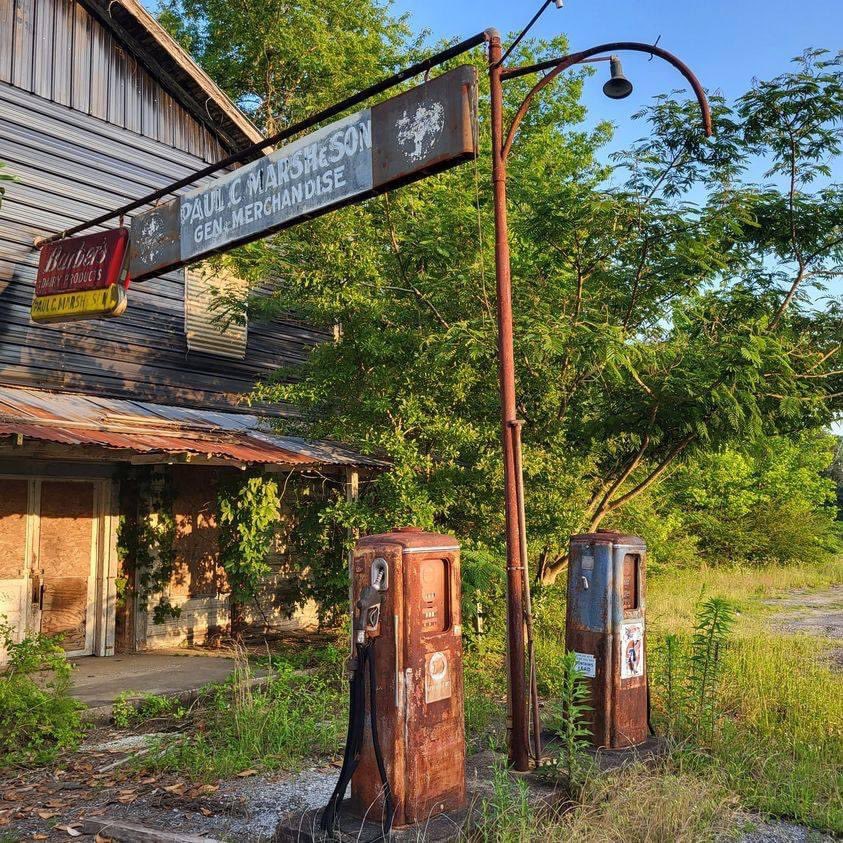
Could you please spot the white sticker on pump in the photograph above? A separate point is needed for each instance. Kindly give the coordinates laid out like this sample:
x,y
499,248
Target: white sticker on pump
x,y
586,664
632,649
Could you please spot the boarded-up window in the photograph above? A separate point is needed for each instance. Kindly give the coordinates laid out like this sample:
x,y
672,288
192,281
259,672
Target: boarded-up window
x,y
196,572
212,322
66,546
13,506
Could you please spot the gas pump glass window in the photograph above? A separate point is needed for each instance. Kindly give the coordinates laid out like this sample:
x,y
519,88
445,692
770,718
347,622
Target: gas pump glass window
x,y
435,599
631,581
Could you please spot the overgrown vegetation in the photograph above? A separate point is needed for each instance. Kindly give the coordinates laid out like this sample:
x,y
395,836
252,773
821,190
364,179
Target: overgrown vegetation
x,y
569,719
249,512
750,712
133,709
637,803
678,363
767,728
38,717
146,539
277,724
660,336
671,309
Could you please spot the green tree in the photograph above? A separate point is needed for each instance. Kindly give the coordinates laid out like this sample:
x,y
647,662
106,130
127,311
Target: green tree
x,y
769,500
663,302
281,60
249,512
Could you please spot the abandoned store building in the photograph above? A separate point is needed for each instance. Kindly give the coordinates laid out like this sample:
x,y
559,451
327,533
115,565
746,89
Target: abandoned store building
x,y
108,421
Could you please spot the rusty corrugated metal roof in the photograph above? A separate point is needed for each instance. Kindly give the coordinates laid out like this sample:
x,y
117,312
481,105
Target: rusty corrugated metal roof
x,y
145,428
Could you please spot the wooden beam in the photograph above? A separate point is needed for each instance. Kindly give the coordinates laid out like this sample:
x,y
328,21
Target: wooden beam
x,y
121,831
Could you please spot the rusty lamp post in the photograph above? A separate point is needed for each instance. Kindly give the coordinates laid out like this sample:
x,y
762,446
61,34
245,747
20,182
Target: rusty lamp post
x,y
617,88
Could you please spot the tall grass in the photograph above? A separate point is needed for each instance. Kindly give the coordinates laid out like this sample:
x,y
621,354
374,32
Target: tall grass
x,y
775,736
779,743
290,717
778,737
636,803
672,597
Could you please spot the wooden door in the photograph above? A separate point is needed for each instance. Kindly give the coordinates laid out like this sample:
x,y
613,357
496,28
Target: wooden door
x,y
14,504
66,560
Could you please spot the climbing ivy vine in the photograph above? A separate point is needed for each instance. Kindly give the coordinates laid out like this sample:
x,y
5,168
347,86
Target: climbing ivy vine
x,y
248,518
146,540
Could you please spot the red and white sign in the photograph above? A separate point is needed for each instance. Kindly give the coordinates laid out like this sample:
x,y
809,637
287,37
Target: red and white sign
x,y
82,277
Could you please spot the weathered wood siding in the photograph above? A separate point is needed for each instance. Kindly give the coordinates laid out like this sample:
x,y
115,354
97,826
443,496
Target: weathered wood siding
x,y
77,155
55,49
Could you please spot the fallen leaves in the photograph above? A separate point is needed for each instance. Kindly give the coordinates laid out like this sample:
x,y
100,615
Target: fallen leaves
x,y
178,788
203,790
72,830
246,773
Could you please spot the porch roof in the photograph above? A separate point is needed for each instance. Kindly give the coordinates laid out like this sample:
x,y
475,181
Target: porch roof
x,y
143,428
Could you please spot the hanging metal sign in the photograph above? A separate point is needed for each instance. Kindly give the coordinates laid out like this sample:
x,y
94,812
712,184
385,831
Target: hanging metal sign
x,y
420,132
82,277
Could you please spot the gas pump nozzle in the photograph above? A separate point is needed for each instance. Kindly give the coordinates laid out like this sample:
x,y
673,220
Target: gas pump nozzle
x,y
367,623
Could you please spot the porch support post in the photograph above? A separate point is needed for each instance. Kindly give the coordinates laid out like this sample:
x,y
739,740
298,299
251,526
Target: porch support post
x,y
352,495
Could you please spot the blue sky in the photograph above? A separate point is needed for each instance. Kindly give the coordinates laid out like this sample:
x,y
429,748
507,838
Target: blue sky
x,y
725,43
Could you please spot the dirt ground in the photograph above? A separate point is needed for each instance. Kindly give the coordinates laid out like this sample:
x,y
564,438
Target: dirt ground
x,y
818,613
99,781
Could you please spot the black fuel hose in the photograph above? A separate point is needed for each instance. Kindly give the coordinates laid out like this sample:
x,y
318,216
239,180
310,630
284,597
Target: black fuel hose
x,y
354,743
389,806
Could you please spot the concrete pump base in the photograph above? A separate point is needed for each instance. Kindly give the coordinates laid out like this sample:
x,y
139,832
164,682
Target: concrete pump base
x,y
303,827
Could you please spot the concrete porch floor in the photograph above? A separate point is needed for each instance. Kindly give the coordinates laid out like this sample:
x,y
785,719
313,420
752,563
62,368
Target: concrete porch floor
x,y
98,681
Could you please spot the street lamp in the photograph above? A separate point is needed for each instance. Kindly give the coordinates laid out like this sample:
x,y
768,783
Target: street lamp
x,y
617,87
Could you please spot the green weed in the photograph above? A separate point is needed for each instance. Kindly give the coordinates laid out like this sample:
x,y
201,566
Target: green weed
x,y
767,717
132,708
38,719
636,804
506,816
759,711
277,725
569,713
485,702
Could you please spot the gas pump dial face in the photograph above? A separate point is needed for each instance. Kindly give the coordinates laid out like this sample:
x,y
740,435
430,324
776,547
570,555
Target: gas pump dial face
x,y
438,667
437,679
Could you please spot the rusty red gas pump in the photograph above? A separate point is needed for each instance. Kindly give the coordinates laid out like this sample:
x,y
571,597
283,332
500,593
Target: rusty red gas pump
x,y
405,753
605,628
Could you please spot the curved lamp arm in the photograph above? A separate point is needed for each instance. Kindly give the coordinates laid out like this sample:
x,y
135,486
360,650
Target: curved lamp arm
x,y
558,65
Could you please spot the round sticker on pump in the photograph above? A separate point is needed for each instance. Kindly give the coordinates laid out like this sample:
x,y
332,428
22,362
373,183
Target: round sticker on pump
x,y
437,678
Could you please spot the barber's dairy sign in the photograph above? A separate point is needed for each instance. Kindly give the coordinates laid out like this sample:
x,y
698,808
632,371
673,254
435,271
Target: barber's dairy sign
x,y
82,277
414,134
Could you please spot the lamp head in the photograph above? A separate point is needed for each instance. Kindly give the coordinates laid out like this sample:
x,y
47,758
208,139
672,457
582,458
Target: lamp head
x,y
618,87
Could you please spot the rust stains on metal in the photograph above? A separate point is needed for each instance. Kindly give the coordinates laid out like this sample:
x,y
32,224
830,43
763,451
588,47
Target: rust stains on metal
x,y
417,133
143,428
419,670
425,129
605,628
